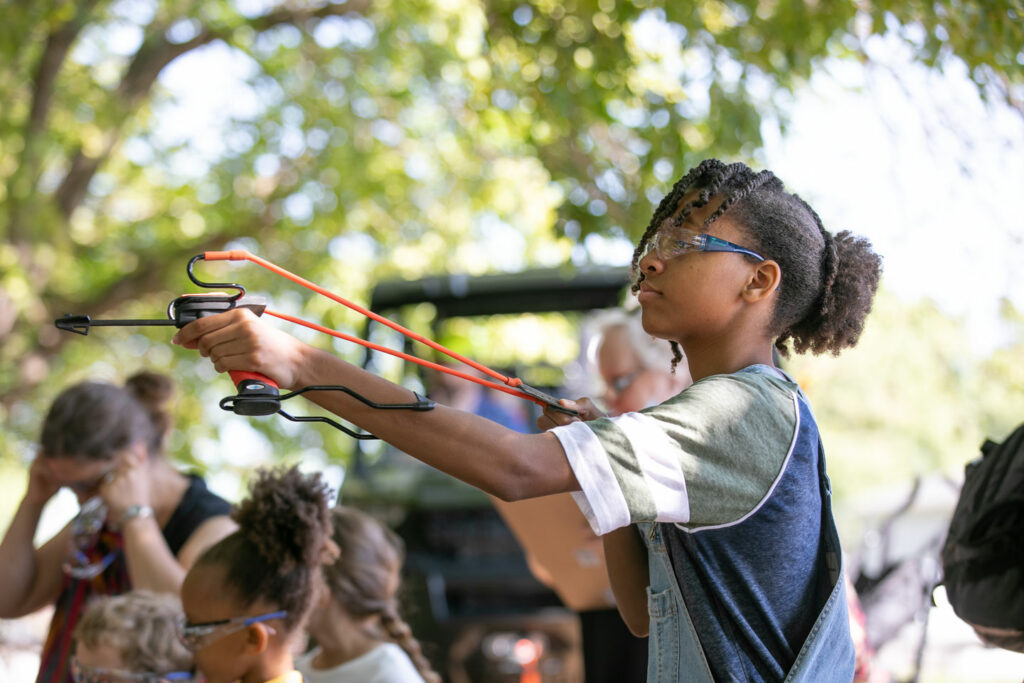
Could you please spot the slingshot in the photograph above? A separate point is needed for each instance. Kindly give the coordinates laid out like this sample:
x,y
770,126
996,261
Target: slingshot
x,y
259,395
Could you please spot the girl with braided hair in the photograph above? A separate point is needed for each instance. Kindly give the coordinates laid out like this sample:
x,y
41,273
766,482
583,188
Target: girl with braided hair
x,y
247,597
360,637
713,506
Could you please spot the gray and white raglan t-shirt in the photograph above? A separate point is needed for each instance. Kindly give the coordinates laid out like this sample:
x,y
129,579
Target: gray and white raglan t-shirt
x,y
731,467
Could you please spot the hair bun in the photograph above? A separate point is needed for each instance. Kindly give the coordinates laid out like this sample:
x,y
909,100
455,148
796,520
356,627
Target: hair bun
x,y
152,390
286,517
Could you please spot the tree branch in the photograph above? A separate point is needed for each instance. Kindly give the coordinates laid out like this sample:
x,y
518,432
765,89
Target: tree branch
x,y
58,44
156,53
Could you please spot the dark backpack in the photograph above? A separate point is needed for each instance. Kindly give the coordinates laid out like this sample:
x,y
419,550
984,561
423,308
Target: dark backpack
x,y
983,555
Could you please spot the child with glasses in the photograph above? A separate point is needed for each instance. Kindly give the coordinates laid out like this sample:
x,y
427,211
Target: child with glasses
x,y
714,506
247,597
360,635
142,522
131,638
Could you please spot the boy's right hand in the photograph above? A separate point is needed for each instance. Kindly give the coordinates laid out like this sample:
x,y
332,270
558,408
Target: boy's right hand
x,y
239,340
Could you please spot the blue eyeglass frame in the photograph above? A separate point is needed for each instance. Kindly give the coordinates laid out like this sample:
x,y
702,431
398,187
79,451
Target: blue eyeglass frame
x,y
192,634
679,240
85,530
81,673
78,567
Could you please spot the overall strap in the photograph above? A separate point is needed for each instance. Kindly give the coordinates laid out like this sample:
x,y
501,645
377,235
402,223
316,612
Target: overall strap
x,y
674,650
827,654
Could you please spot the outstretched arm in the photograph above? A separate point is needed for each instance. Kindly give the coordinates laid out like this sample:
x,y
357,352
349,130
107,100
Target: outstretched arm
x,y
498,460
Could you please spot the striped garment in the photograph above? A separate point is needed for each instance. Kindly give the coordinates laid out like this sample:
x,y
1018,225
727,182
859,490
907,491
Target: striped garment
x,y
55,662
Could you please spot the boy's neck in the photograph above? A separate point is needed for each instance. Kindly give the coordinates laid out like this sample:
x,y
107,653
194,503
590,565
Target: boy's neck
x,y
273,662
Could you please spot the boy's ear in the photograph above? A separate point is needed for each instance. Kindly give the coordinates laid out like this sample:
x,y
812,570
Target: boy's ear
x,y
764,280
257,637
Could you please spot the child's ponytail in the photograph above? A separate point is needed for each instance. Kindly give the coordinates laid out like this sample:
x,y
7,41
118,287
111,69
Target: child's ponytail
x,y
365,580
276,554
849,280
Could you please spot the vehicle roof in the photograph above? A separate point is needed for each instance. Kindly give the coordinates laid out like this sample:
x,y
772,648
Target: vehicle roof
x,y
533,291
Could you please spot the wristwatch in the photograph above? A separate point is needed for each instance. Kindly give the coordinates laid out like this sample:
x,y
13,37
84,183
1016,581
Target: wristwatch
x,y
135,511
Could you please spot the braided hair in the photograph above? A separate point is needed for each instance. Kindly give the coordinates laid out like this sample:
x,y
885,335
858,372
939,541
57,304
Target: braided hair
x,y
828,281
276,554
364,580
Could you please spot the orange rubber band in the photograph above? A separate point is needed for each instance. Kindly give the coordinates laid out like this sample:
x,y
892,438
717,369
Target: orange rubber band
x,y
507,382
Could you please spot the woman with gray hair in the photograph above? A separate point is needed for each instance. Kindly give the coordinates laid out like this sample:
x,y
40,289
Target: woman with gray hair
x,y
638,370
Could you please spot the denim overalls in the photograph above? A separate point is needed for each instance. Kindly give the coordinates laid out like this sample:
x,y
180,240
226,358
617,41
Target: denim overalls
x,y
674,651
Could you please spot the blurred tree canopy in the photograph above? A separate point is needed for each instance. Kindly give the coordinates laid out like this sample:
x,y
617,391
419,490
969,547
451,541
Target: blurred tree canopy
x,y
377,139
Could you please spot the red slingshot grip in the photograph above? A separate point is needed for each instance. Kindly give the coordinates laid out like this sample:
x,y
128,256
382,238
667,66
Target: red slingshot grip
x,y
260,393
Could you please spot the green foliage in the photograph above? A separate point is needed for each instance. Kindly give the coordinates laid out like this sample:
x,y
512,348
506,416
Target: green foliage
x,y
911,398
384,139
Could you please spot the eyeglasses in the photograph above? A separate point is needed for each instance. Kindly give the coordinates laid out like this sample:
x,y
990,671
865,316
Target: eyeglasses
x,y
81,673
83,487
671,241
622,382
85,532
78,565
197,636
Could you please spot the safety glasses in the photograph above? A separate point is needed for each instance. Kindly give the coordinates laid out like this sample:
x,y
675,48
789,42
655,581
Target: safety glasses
x,y
622,382
85,531
674,240
78,566
81,673
197,636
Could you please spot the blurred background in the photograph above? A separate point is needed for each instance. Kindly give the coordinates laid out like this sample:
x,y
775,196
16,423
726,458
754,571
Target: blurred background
x,y
367,144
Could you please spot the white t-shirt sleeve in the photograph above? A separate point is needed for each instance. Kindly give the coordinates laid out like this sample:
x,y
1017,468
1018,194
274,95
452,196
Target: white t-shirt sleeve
x,y
656,484
706,457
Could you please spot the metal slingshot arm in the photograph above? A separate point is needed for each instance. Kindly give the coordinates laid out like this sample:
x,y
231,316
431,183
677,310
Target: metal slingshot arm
x,y
258,394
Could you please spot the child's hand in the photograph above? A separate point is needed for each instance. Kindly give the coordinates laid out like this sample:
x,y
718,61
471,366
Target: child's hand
x,y
554,418
239,340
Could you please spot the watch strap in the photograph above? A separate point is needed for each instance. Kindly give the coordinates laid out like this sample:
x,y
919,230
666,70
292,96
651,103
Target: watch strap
x,y
135,512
